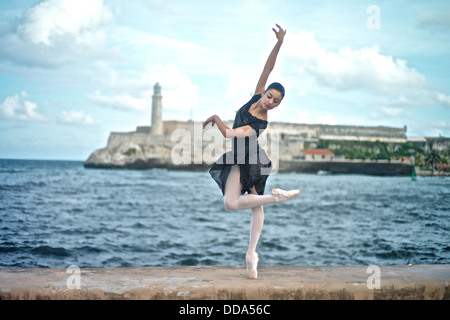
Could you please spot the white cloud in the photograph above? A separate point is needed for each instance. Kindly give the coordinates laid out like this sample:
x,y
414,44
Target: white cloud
x,y
133,90
440,127
304,116
119,101
364,69
350,69
76,117
241,85
17,107
385,112
178,91
47,20
142,47
327,119
242,82
436,129
433,21
54,32
392,112
443,99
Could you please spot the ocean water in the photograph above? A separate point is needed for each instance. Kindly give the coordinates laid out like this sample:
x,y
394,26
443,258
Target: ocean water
x,y
57,213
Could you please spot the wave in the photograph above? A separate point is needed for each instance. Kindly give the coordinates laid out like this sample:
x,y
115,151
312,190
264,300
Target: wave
x,y
116,262
89,249
8,249
51,251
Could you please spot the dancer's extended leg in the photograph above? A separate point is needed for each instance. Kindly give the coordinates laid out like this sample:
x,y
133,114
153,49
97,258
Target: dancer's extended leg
x,y
234,200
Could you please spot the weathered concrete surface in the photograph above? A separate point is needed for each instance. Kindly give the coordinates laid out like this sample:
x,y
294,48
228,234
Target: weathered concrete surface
x,y
228,282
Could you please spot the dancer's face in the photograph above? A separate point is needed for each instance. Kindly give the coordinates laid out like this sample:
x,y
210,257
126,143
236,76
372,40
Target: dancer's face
x,y
271,99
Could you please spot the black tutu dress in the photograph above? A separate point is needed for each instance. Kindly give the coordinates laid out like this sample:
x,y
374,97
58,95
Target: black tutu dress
x,y
253,161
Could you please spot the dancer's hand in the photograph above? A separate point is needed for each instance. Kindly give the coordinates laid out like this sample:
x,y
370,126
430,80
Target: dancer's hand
x,y
280,33
211,119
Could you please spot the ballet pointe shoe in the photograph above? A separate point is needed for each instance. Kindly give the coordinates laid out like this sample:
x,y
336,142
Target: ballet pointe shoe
x,y
283,195
252,263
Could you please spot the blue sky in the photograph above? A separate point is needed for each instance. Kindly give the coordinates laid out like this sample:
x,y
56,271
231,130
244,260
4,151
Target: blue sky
x,y
73,71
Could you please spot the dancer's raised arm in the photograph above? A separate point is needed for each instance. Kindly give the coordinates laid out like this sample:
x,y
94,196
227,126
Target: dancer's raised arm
x,y
270,63
270,101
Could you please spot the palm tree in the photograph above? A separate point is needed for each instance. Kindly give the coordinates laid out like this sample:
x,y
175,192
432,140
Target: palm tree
x,y
445,154
418,159
432,158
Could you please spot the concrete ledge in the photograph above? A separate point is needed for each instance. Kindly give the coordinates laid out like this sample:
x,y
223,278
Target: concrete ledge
x,y
422,282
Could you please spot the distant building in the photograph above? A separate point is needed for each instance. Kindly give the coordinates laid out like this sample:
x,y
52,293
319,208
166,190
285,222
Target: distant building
x,y
317,155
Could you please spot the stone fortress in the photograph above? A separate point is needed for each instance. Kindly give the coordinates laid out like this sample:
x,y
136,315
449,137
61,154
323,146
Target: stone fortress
x,y
184,145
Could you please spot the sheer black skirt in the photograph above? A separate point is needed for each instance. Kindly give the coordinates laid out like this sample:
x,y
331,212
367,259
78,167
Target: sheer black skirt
x,y
254,164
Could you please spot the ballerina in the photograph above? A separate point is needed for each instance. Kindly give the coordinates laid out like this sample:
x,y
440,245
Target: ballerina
x,y
242,172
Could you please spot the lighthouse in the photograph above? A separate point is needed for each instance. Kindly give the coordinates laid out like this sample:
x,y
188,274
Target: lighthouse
x,y
157,123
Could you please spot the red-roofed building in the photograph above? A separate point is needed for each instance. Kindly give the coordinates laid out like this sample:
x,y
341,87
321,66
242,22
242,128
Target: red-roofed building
x,y
317,154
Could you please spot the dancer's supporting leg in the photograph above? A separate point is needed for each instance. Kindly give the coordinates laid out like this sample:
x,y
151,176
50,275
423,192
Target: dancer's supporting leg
x,y
234,200
256,226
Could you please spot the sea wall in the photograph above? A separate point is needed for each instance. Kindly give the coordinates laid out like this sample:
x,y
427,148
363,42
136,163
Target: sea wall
x,y
379,168
421,282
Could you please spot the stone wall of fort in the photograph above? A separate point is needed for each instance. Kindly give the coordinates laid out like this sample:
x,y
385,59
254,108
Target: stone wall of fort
x,y
186,140
341,132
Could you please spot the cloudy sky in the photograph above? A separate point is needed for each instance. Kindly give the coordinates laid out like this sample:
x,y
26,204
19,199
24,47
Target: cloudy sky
x,y
73,71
